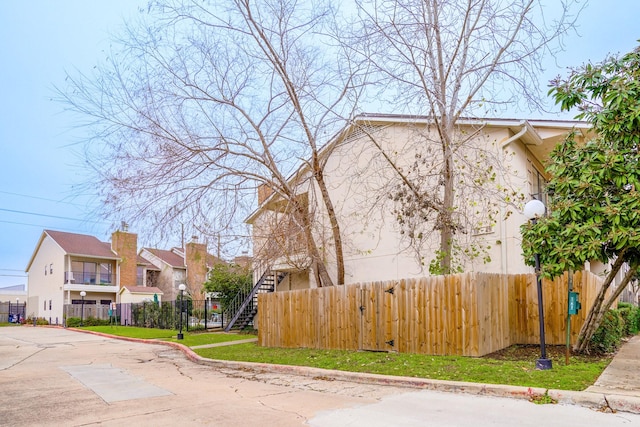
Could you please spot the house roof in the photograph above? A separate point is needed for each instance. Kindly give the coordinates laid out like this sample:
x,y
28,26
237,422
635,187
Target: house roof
x,y
145,262
142,290
169,257
76,244
378,119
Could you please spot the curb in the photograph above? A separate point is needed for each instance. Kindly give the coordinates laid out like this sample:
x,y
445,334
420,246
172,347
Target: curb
x,y
596,401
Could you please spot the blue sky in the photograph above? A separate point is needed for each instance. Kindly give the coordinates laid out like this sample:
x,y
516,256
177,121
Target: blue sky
x,y
40,175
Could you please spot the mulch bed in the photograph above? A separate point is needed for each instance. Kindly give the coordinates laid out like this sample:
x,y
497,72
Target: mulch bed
x,y
532,352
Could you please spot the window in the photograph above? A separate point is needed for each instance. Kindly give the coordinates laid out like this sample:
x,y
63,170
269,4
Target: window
x,y
86,301
45,305
105,273
49,304
105,301
50,268
92,273
140,276
45,270
537,183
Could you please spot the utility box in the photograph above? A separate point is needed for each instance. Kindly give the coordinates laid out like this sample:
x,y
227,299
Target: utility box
x,y
574,304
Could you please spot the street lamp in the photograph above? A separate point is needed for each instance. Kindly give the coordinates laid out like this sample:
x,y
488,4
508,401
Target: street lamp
x,y
182,287
533,210
82,294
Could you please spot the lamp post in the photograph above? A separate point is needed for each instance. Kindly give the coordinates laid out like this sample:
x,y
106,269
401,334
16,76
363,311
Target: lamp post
x,y
533,210
82,295
182,287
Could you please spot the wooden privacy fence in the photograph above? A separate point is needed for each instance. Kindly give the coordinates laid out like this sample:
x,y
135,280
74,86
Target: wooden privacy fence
x,y
469,314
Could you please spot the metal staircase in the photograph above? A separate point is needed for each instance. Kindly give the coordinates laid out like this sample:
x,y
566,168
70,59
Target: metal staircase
x,y
244,306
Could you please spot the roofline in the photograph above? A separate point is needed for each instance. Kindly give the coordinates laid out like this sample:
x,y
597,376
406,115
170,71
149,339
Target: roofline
x,y
45,233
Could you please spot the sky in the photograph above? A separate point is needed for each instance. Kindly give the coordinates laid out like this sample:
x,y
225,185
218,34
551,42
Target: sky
x,y
40,40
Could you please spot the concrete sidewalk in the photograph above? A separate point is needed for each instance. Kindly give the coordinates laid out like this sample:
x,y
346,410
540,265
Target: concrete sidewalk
x,y
617,388
622,376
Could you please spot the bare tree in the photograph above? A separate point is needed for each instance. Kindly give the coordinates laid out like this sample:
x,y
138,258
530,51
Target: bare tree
x,y
205,101
447,60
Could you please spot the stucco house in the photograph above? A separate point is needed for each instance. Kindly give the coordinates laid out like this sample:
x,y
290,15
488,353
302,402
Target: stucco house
x,y
138,294
65,264
507,154
167,269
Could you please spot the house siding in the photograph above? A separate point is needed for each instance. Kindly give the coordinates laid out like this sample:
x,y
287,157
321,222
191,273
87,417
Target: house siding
x,y
359,177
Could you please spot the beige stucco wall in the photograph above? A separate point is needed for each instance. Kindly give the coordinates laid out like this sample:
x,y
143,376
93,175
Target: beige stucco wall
x,y
374,249
44,288
128,297
169,277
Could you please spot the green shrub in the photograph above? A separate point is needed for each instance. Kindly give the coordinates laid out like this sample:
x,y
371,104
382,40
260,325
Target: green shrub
x,y
631,317
74,322
608,336
39,321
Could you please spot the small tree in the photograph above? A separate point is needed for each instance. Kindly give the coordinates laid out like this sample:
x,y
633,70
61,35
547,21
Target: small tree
x,y
450,60
594,202
227,280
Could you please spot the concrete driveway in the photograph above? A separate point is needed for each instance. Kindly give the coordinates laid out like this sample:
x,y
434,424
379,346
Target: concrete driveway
x,y
51,376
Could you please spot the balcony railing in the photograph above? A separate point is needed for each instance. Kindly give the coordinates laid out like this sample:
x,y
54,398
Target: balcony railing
x,y
87,278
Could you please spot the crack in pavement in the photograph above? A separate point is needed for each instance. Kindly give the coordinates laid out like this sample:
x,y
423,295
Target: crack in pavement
x,y
23,359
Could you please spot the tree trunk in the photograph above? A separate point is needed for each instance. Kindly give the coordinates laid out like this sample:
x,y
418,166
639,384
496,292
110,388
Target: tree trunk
x,y
320,270
335,227
593,319
445,217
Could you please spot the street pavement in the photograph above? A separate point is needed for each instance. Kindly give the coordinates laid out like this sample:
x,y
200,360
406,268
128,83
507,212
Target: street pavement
x,y
53,376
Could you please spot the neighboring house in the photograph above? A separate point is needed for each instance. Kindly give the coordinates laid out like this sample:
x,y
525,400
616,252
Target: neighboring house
x,y
65,264
138,294
13,293
12,301
167,269
362,184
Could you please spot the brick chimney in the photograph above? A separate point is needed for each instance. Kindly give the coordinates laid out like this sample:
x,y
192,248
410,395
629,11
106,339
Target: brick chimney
x,y
125,244
195,255
264,191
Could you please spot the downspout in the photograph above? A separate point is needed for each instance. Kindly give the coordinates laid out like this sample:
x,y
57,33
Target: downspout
x,y
503,225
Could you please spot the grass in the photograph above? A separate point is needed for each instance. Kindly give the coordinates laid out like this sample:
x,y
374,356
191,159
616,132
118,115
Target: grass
x,y
578,375
513,366
190,339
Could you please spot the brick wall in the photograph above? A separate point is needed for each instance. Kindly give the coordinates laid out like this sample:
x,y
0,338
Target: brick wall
x,y
126,246
196,262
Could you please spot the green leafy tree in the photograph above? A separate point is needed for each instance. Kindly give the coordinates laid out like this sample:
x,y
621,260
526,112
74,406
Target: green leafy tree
x,y
594,199
227,280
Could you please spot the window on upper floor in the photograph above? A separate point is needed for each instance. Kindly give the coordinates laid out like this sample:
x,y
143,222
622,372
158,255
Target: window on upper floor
x,y
140,276
91,273
537,184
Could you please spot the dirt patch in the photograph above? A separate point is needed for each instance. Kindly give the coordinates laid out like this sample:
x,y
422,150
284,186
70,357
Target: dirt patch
x,y
532,352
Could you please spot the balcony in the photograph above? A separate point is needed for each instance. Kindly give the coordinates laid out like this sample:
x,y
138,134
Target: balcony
x,y
86,278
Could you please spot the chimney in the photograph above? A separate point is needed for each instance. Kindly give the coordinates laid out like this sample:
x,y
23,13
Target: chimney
x,y
125,245
264,191
195,255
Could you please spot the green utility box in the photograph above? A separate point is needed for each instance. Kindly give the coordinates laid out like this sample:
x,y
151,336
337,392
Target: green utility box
x,y
574,304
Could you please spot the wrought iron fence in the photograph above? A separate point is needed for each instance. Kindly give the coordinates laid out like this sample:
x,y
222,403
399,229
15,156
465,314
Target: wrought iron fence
x,y
194,314
13,312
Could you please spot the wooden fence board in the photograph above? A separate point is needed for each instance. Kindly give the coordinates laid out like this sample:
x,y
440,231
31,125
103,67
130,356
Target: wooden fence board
x,y
467,314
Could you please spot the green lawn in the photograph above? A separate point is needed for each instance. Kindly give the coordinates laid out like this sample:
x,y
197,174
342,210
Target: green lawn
x,y
578,375
190,339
